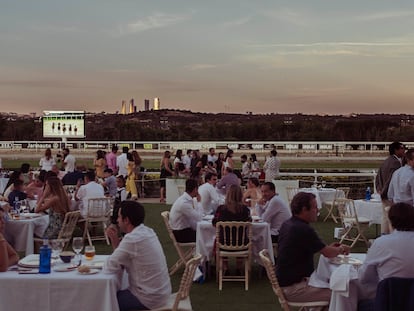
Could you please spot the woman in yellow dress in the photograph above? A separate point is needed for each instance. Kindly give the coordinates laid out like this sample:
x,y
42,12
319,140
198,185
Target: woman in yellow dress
x,y
100,164
130,182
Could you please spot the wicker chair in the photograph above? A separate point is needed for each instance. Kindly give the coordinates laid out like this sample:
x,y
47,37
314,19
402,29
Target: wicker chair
x,y
271,274
68,227
184,250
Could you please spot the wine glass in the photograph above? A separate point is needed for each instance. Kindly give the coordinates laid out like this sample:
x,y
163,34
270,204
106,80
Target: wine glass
x,y
77,246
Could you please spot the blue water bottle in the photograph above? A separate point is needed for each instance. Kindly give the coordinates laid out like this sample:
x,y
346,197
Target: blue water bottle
x,y
368,194
45,257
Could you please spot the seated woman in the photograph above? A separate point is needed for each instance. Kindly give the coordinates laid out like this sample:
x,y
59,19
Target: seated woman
x,y
233,210
56,202
8,255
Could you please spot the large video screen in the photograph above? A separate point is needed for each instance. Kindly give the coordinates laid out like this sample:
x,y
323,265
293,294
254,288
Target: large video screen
x,y
70,124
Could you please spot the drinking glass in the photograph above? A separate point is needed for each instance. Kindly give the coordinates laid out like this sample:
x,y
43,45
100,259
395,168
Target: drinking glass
x,y
77,246
57,247
89,252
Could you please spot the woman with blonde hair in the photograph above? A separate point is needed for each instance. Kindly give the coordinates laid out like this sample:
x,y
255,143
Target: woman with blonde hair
x,y
233,210
56,201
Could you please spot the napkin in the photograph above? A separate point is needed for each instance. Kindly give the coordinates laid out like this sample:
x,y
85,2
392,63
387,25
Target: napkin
x,y
340,278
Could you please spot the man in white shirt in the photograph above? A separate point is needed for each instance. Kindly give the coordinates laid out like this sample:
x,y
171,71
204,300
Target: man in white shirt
x,y
69,161
245,172
187,160
122,162
390,255
89,190
185,213
401,188
140,253
272,209
210,198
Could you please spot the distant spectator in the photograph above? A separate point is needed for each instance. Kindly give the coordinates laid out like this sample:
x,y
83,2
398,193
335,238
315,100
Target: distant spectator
x,y
47,161
122,162
272,166
388,167
111,159
68,161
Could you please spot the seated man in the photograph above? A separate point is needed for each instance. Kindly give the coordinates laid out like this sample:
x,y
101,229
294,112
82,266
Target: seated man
x,y
272,209
109,183
298,242
140,254
89,190
185,213
390,255
17,194
229,178
208,193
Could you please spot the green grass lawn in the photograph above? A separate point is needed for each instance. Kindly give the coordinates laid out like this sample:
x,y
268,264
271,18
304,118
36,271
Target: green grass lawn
x,y
206,296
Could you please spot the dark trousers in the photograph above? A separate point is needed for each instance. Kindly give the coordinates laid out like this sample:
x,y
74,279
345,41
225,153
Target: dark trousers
x,y
186,235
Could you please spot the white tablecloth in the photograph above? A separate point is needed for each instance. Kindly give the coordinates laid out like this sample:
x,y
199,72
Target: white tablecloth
x,y
322,195
343,281
373,210
3,183
206,234
63,291
20,232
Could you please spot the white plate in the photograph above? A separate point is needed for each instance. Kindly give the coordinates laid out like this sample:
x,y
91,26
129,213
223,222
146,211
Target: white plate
x,y
345,260
30,261
29,215
92,271
94,264
208,217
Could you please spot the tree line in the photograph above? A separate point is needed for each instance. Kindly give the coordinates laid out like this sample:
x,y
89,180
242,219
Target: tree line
x,y
175,125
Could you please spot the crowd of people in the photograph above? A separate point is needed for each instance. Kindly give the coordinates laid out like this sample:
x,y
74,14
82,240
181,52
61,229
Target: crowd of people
x,y
213,187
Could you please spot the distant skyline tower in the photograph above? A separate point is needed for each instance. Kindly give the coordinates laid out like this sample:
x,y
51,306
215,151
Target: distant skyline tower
x,y
123,107
156,103
131,106
146,104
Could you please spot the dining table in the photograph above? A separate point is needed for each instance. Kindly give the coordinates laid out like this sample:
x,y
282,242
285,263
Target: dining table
x,y
62,289
3,184
372,209
322,195
20,232
206,235
340,274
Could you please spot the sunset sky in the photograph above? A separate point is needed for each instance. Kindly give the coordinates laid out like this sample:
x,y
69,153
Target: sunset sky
x,y
302,56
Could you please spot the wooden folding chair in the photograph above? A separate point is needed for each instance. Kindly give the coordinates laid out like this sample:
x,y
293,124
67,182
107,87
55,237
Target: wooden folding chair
x,y
286,304
184,250
180,301
341,192
354,226
99,211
